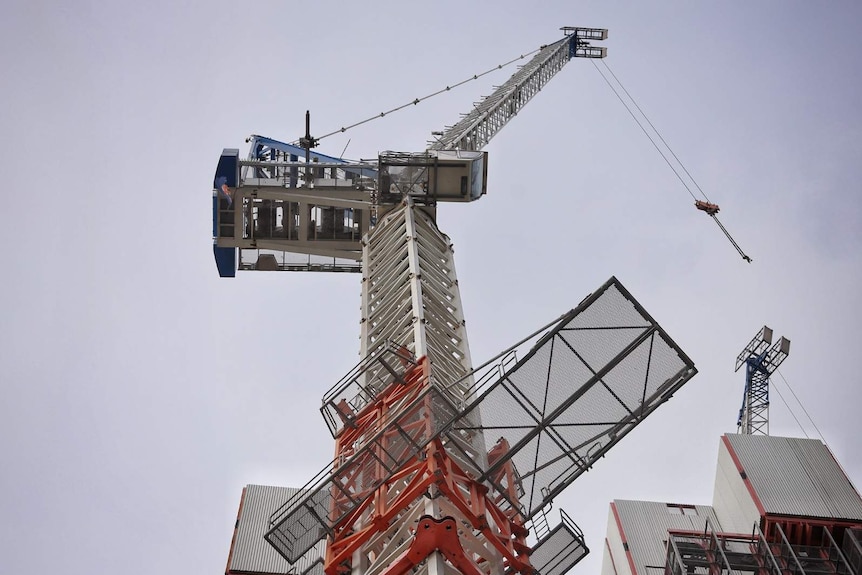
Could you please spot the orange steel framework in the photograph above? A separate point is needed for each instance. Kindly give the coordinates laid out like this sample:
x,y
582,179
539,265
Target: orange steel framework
x,y
430,470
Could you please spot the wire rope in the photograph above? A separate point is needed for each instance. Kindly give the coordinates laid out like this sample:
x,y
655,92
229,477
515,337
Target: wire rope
x,y
729,237
790,409
661,152
416,101
802,405
644,130
675,157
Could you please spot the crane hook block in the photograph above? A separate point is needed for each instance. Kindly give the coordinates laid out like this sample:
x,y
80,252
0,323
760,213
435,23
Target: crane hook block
x,y
707,207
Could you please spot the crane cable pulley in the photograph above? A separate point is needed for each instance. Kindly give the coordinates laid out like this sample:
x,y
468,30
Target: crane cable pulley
x,y
704,205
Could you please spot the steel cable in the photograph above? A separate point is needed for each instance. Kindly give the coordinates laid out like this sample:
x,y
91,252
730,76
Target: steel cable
x,y
661,152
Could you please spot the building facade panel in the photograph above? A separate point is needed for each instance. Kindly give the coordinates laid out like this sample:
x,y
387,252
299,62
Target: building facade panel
x,y
732,501
608,564
250,553
840,496
795,477
780,505
615,548
645,525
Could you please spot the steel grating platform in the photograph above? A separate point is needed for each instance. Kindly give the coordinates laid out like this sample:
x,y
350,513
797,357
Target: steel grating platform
x,y
588,382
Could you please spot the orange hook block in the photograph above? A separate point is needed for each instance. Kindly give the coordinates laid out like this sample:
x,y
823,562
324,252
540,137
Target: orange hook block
x,y
710,209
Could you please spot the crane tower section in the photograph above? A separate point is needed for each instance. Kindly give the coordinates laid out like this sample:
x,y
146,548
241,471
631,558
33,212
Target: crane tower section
x,y
760,361
410,294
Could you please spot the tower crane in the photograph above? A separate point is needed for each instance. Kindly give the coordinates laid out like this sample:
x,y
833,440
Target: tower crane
x,y
760,361
439,467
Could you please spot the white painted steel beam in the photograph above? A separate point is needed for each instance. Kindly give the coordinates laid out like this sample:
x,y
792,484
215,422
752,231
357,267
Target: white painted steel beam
x,y
410,298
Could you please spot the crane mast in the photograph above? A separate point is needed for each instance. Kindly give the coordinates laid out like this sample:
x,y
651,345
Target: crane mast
x,y
422,480
410,293
760,361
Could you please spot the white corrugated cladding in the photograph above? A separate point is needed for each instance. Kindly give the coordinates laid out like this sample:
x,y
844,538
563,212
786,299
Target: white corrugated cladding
x,y
644,529
618,564
797,477
731,499
251,552
608,566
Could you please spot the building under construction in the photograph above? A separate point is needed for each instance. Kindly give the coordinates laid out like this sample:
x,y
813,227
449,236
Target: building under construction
x,y
780,506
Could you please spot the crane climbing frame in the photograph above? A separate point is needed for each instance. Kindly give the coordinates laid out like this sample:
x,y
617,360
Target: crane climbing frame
x,y
439,468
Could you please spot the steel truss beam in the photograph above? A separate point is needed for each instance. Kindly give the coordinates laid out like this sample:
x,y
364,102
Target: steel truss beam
x,y
410,295
488,117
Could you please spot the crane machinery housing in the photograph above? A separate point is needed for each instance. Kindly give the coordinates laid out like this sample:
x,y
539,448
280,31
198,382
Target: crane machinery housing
x,y
439,467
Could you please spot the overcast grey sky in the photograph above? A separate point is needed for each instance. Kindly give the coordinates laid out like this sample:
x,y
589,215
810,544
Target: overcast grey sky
x,y
140,392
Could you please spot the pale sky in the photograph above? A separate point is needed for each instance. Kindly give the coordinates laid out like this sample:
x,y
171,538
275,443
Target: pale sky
x,y
141,392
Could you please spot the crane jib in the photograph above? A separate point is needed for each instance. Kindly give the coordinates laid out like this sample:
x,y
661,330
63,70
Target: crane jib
x,y
488,117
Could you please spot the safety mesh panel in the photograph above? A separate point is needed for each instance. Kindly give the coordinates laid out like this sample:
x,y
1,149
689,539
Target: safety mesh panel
x,y
547,418
307,518
602,369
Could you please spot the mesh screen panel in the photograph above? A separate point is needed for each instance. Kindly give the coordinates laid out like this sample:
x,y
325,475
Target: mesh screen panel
x,y
546,460
303,529
532,397
592,378
551,415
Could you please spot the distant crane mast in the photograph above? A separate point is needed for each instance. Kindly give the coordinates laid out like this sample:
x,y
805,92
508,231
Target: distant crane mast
x,y
760,361
414,487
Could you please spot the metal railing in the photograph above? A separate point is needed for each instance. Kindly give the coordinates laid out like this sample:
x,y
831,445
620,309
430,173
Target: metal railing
x,y
853,549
